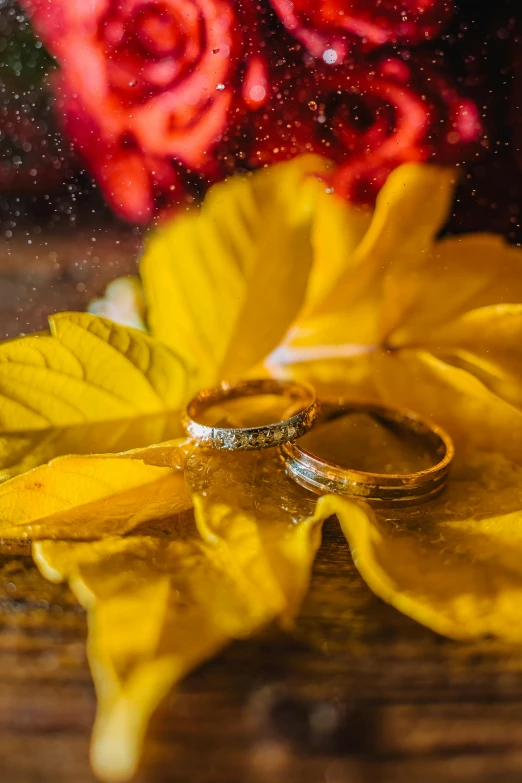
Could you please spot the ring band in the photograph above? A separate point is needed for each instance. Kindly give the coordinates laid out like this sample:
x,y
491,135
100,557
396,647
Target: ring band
x,y
302,404
384,490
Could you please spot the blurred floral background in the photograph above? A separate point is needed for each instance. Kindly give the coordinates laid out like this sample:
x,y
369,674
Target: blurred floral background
x,y
133,108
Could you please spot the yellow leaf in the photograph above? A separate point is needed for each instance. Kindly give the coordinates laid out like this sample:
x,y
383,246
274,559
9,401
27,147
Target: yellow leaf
x,y
157,606
454,398
453,564
22,451
338,228
224,285
331,377
460,274
485,342
411,208
87,371
92,496
246,506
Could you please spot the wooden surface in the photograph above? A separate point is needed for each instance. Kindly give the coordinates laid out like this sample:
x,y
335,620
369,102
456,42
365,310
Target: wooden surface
x,y
358,694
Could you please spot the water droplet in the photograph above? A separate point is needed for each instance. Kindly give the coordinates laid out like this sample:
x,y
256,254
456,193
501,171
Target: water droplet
x,y
330,56
220,86
258,93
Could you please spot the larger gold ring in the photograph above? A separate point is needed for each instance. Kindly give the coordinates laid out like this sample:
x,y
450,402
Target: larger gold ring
x,y
385,490
302,405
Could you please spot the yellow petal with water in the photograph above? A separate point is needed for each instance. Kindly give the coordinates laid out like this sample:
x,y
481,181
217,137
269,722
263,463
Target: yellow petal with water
x,y
246,506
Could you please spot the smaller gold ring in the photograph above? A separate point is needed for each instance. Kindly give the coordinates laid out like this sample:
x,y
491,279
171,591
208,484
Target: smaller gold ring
x,y
302,405
384,490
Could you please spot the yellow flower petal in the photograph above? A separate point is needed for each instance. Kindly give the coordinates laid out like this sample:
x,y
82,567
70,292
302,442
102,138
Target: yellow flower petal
x,y
224,285
453,564
452,397
92,496
157,607
88,371
22,451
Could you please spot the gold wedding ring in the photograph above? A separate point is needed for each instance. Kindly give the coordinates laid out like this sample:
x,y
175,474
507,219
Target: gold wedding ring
x,y
301,403
384,490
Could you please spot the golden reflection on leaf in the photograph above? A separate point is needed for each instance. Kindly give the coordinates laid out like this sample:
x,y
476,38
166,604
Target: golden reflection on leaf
x,y
246,506
453,564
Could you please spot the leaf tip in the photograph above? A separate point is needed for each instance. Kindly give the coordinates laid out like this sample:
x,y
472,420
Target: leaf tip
x,y
115,749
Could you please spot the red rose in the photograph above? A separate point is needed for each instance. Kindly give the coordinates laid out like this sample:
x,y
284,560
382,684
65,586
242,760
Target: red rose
x,y
136,184
328,28
153,80
369,120
155,92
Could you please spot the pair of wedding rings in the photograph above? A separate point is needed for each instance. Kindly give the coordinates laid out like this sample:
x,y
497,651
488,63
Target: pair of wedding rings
x,y
309,470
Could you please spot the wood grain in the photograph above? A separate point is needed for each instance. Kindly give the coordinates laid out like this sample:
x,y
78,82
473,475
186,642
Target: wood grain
x,y
357,694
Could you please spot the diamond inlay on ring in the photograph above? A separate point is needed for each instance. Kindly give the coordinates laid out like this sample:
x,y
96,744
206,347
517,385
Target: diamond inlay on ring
x,y
302,405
